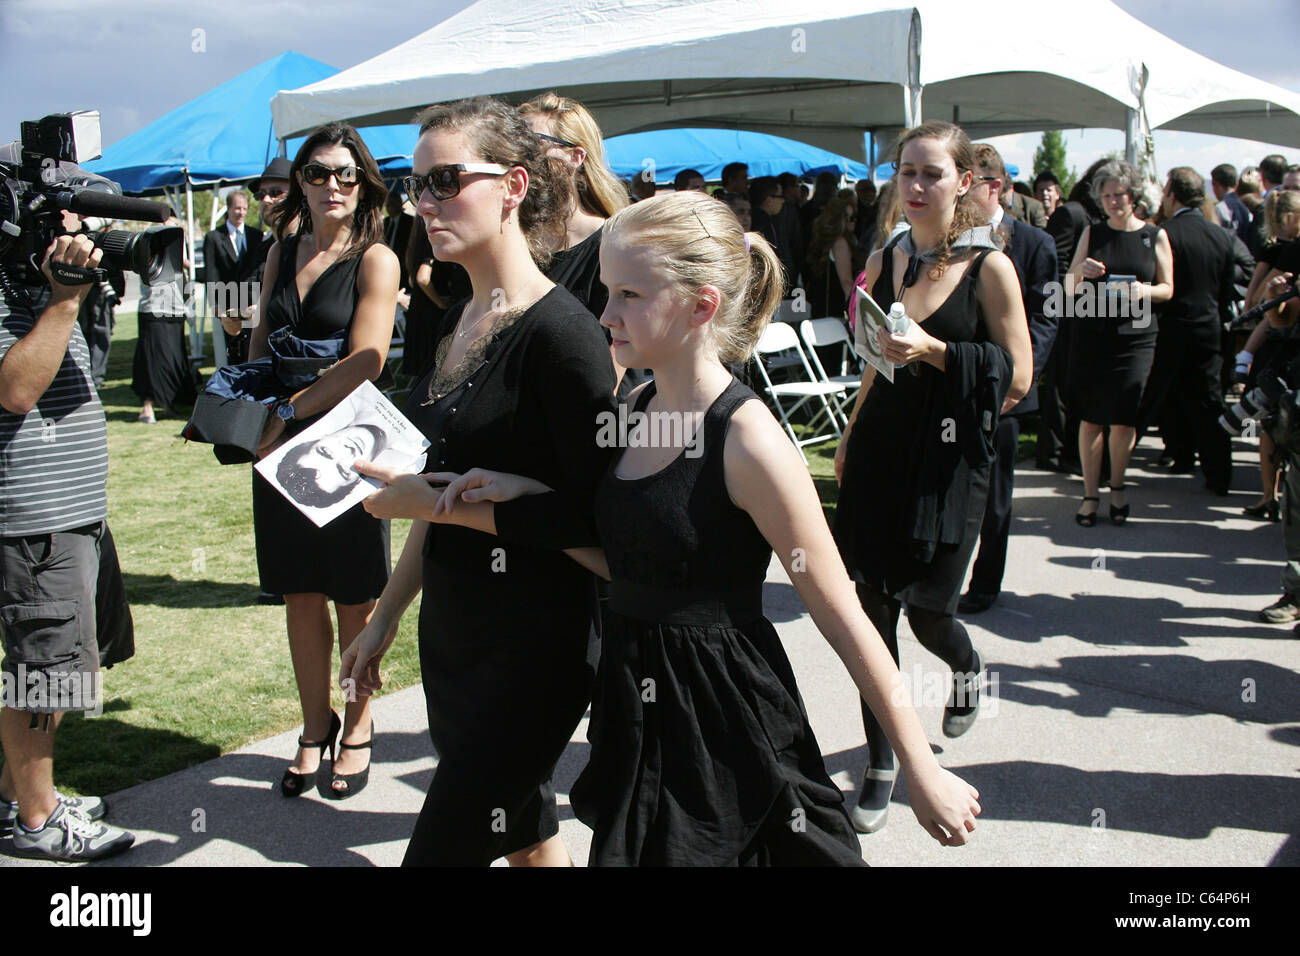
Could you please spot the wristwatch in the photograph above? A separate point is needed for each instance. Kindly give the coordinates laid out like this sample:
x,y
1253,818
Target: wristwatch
x,y
284,409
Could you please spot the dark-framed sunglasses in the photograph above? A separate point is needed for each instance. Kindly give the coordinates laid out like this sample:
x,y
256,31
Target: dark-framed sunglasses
x,y
274,193
556,140
443,182
317,175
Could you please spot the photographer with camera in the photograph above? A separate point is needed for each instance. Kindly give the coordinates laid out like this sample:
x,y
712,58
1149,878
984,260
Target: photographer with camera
x,y
61,586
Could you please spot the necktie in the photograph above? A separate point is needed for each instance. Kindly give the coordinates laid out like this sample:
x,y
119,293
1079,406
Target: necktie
x,y
239,242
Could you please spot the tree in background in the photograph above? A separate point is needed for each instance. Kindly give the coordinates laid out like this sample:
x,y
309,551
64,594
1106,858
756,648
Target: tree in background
x,y
1050,154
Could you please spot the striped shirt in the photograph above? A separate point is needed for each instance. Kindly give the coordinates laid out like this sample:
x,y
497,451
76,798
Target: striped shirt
x,y
54,459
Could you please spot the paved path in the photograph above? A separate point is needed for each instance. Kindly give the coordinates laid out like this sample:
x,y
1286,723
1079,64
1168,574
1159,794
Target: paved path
x,y
1143,715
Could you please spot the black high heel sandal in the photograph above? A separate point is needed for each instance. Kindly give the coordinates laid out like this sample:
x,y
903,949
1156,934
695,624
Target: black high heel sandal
x,y
353,783
1118,515
1087,520
293,784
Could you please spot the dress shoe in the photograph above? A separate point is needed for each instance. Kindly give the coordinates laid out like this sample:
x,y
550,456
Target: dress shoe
x,y
973,602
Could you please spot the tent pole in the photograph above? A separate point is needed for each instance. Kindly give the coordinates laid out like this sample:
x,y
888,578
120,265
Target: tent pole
x,y
912,89
1130,137
871,155
196,330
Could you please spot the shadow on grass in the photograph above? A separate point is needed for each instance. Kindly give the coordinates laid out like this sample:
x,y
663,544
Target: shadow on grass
x,y
104,754
164,590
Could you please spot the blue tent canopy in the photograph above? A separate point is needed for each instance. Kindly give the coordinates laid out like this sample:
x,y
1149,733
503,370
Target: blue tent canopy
x,y
225,134
708,150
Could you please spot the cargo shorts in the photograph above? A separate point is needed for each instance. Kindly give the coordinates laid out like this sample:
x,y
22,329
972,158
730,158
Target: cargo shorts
x,y
62,605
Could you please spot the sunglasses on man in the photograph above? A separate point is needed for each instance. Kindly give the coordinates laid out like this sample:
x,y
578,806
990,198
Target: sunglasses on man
x,y
272,193
443,182
317,175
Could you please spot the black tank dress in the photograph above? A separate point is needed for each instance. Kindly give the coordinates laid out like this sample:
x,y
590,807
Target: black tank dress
x,y
1113,355
880,465
348,559
701,752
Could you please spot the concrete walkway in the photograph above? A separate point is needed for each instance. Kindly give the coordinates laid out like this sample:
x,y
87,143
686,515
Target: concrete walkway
x,y
1142,714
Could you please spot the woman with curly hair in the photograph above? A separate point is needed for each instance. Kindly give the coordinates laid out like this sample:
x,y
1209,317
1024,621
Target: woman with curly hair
x,y
911,495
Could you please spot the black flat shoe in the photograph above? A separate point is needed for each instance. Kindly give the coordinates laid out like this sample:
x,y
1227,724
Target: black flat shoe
x,y
293,784
1265,511
353,783
1118,515
1087,520
964,704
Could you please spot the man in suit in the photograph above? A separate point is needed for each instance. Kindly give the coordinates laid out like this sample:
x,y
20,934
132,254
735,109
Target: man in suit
x,y
1272,170
1034,255
1188,360
1026,209
1232,211
232,258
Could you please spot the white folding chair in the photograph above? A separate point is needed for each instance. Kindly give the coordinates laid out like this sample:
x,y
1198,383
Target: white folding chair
x,y
777,338
824,333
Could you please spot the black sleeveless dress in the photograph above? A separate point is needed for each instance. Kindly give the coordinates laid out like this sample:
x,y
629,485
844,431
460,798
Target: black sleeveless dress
x,y
1113,357
348,559
880,465
701,752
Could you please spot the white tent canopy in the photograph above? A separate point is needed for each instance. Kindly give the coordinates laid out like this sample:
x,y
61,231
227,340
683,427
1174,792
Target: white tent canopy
x,y
822,75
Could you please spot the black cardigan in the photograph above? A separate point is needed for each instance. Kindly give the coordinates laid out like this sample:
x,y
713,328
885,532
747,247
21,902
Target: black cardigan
x,y
531,409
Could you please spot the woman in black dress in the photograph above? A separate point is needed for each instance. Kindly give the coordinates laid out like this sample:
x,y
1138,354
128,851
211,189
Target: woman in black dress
x,y
333,275
701,751
1115,329
910,502
161,373
571,135
507,621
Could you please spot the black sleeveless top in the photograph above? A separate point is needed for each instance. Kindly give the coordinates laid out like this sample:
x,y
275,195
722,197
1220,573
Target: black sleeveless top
x,y
331,301
1125,254
959,318
678,527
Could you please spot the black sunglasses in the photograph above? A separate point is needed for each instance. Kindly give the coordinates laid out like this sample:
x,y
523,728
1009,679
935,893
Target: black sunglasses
x,y
555,139
273,193
318,175
444,181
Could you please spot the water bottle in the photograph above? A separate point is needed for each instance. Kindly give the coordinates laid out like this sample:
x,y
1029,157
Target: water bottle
x,y
898,323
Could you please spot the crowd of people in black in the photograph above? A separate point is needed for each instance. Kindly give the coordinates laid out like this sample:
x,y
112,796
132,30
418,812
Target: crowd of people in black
x,y
535,293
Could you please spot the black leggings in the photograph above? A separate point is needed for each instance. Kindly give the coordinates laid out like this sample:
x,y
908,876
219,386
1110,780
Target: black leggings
x,y
940,634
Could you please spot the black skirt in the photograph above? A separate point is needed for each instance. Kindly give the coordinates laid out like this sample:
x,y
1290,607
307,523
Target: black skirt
x,y
347,560
1110,371
161,371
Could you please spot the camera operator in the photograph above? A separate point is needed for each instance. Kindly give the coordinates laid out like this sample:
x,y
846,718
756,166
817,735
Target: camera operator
x,y
63,611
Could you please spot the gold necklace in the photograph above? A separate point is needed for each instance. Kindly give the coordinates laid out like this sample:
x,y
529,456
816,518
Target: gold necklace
x,y
461,333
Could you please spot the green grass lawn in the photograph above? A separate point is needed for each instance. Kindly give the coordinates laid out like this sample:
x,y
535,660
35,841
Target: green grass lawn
x,y
211,671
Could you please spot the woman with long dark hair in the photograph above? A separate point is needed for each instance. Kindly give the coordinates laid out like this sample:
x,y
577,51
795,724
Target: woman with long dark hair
x,y
520,374
830,258
911,501
332,277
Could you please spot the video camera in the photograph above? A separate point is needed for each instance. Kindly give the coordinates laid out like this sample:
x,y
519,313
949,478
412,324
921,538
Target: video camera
x,y
1274,403
40,177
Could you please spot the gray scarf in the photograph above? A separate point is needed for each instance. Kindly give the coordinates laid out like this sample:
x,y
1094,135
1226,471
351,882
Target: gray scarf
x,y
976,237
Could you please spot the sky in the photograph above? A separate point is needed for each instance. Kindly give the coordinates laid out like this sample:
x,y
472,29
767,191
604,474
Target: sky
x,y
135,60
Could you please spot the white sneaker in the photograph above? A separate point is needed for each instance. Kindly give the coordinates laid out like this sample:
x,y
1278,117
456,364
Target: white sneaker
x,y
69,835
